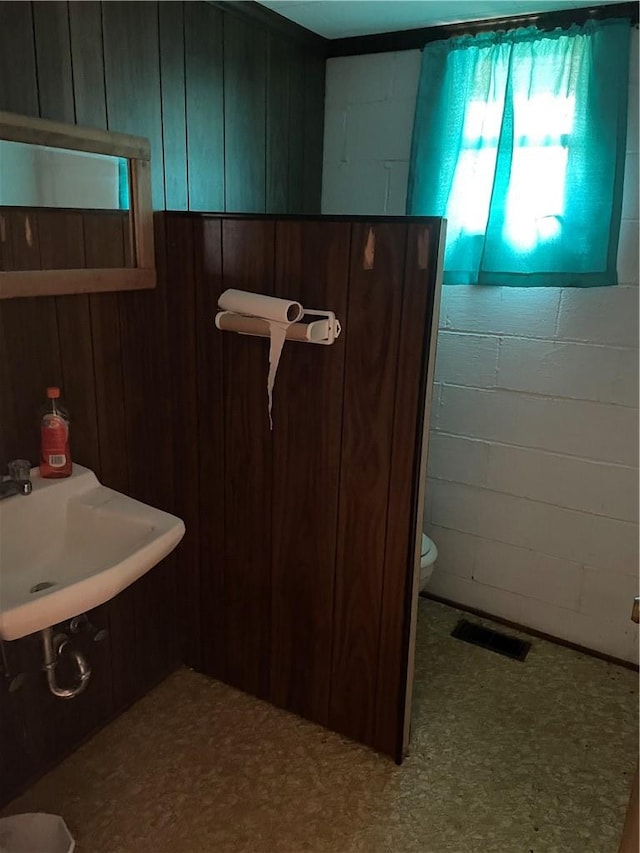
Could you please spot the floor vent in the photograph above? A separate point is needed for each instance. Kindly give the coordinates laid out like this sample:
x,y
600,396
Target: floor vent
x,y
503,644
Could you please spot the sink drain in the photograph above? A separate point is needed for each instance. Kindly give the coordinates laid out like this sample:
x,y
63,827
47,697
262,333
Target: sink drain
x,y
44,585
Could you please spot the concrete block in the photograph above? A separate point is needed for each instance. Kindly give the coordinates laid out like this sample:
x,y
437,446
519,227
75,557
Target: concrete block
x,y
335,134
574,427
456,550
596,487
398,175
406,74
576,371
630,205
529,312
633,56
358,189
628,252
606,315
379,131
458,459
359,79
608,596
555,531
632,119
528,573
464,359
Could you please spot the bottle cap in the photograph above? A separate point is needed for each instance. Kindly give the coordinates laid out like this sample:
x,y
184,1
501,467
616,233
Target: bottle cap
x,y
53,393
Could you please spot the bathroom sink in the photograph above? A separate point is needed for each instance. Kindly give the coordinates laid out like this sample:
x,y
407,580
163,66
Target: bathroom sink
x,y
71,545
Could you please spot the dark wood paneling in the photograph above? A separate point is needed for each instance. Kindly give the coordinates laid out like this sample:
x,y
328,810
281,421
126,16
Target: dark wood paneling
x,y
248,255
181,306
373,324
18,81
132,73
295,202
312,263
209,285
313,133
413,353
85,23
244,116
62,247
32,349
277,125
205,106
53,61
174,124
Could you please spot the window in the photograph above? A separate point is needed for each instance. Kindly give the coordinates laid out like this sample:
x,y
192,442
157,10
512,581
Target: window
x,y
519,142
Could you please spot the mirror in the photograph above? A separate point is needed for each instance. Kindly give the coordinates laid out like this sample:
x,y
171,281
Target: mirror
x,y
75,209
41,176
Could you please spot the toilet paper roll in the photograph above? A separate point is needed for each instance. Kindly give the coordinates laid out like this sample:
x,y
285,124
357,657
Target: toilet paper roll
x,y
259,305
278,313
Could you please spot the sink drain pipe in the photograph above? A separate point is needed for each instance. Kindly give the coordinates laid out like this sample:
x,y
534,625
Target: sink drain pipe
x,y
54,648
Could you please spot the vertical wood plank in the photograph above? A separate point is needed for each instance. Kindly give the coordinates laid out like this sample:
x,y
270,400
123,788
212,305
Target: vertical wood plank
x,y
87,60
147,388
174,119
295,203
32,351
373,325
244,115
248,256
62,247
313,133
18,81
181,306
53,60
209,286
132,74
104,247
312,265
277,109
205,106
402,550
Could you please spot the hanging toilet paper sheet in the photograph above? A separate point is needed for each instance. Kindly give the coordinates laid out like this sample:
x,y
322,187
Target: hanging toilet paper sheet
x,y
279,314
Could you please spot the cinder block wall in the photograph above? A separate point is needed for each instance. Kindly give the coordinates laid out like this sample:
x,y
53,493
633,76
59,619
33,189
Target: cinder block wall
x,y
533,470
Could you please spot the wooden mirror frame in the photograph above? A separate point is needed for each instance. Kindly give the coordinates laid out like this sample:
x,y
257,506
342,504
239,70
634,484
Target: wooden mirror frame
x,y
137,151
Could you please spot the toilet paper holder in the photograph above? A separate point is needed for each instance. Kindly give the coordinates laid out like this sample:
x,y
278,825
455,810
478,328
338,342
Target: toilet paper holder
x,y
313,327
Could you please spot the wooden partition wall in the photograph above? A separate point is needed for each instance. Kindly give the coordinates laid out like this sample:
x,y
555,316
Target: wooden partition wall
x,y
305,537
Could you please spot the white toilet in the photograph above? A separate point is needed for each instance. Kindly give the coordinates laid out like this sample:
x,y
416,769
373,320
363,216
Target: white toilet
x,y
428,557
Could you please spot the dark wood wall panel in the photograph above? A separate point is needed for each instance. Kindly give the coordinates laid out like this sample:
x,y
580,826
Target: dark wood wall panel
x,y
208,367
154,69
401,548
174,123
373,324
245,116
313,131
181,307
132,75
312,263
85,24
53,61
248,264
308,532
205,106
277,137
18,81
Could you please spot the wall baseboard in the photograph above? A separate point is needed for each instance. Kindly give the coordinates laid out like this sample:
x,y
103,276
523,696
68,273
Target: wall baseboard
x,y
533,632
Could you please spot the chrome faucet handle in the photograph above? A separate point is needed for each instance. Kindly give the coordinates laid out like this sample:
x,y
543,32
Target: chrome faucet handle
x,y
20,473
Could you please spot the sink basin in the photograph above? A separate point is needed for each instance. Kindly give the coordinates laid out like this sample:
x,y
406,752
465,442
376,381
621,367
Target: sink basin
x,y
71,545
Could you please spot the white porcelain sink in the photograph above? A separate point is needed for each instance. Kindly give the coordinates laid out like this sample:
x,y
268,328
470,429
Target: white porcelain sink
x,y
71,545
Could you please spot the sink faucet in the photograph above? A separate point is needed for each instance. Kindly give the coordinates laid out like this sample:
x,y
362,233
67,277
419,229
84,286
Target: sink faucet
x,y
19,481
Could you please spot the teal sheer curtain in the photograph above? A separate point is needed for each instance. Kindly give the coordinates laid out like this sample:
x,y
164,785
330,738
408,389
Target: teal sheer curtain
x,y
519,141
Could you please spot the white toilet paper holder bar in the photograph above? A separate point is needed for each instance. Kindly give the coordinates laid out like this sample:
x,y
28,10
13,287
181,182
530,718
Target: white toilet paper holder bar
x,y
314,327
